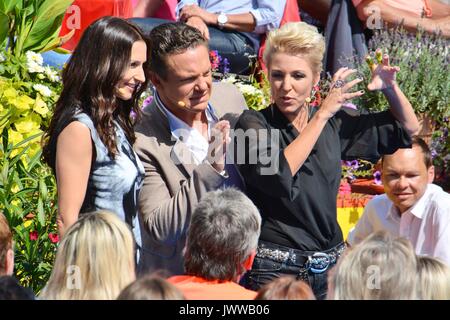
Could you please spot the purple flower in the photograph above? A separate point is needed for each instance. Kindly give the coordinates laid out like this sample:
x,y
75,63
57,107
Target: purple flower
x,y
377,177
354,164
147,101
226,65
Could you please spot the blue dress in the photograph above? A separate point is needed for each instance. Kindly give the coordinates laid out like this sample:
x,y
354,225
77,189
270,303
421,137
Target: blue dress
x,y
114,184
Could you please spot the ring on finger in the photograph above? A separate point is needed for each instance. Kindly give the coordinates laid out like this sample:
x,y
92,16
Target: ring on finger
x,y
339,83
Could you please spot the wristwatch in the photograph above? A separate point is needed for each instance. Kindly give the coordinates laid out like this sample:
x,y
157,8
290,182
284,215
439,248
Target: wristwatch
x,y
222,19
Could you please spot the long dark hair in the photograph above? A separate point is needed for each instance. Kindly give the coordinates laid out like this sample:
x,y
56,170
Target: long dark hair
x,y
96,66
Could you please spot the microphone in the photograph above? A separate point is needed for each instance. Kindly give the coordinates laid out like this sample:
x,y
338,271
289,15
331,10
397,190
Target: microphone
x,y
182,104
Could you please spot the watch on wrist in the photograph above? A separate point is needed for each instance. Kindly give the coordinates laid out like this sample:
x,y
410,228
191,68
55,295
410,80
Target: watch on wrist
x,y
222,19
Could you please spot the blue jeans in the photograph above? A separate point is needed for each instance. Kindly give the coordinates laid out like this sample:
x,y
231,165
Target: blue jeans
x,y
266,269
232,45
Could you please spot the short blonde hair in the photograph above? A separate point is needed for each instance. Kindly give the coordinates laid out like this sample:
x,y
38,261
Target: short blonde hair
x,y
378,268
434,279
296,38
95,260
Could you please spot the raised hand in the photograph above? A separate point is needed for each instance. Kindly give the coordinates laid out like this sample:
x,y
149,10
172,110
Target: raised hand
x,y
220,138
383,75
339,91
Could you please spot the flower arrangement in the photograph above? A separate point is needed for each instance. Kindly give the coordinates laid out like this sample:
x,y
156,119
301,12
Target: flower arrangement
x,y
28,91
424,74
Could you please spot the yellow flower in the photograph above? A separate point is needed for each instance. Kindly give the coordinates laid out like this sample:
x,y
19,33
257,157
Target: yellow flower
x,y
10,93
27,223
28,124
23,102
14,137
40,106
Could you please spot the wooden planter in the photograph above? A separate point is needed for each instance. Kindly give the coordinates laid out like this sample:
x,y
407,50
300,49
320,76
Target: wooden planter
x,y
366,186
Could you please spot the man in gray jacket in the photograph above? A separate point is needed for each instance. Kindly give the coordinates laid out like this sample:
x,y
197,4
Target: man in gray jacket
x,y
181,141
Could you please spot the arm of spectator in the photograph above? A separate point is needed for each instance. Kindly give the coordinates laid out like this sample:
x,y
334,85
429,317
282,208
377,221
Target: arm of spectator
x,y
147,8
73,164
164,215
383,78
363,227
393,16
266,17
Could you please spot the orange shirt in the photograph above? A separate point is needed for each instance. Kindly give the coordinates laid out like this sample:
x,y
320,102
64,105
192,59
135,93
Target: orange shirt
x,y
196,288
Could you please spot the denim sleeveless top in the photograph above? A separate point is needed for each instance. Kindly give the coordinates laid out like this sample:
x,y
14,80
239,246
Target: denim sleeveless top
x,y
114,184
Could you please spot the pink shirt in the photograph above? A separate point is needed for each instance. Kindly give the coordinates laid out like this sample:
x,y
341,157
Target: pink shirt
x,y
426,224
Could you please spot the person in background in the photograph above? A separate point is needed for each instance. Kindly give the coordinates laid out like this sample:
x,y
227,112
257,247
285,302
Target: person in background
x,y
10,289
177,137
6,248
286,288
379,268
233,28
94,261
295,179
429,15
161,9
434,279
150,287
220,247
89,140
412,206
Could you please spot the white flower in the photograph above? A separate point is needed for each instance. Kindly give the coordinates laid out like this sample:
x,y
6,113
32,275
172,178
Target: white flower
x,y
247,89
43,90
34,62
52,75
229,79
2,57
35,57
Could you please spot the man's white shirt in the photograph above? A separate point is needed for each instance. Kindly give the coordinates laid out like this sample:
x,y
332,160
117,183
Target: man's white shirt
x,y
426,224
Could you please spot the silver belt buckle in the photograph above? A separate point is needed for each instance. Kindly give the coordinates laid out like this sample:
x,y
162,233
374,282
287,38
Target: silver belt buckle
x,y
319,262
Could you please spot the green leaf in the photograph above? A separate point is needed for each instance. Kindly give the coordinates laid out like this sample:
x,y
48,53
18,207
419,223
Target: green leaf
x,y
8,5
47,23
40,212
4,26
43,189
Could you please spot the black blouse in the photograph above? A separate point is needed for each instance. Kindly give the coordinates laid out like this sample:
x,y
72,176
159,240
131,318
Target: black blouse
x,y
300,211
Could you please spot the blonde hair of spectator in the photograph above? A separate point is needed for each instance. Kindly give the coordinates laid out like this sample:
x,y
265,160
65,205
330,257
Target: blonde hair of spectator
x,y
95,260
299,39
151,287
434,279
286,288
378,268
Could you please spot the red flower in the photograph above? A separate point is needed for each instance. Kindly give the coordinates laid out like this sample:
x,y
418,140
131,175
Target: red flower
x,y
34,235
54,238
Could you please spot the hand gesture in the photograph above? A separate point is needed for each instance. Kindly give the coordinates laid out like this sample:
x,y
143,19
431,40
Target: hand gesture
x,y
339,92
198,23
193,10
220,138
383,75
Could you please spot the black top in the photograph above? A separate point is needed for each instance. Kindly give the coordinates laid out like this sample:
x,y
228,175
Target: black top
x,y
300,212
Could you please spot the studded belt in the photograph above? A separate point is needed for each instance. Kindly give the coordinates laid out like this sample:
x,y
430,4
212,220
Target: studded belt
x,y
316,262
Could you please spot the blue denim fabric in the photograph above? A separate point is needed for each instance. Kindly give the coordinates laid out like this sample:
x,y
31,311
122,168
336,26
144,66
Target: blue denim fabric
x,y
55,59
265,270
236,47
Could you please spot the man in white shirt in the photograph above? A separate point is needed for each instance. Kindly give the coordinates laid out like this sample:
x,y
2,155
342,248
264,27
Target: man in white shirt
x,y
412,207
176,143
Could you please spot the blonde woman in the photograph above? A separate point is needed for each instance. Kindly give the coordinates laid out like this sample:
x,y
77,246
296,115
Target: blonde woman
x,y
295,180
94,261
379,268
434,279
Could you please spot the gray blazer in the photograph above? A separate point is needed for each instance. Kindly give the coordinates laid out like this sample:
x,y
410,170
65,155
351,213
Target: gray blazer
x,y
171,191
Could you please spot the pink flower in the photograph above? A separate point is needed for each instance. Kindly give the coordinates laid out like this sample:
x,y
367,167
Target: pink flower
x,y
54,238
34,235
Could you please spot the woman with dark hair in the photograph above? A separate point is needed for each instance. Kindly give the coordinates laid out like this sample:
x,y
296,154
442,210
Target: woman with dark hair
x,y
90,138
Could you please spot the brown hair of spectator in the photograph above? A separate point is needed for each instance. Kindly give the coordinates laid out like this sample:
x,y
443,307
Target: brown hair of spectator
x,y
286,288
151,287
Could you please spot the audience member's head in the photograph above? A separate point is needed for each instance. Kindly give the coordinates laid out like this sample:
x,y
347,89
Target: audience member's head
x,y
223,236
10,289
286,288
95,259
378,268
406,173
6,248
434,279
151,287
172,39
297,39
